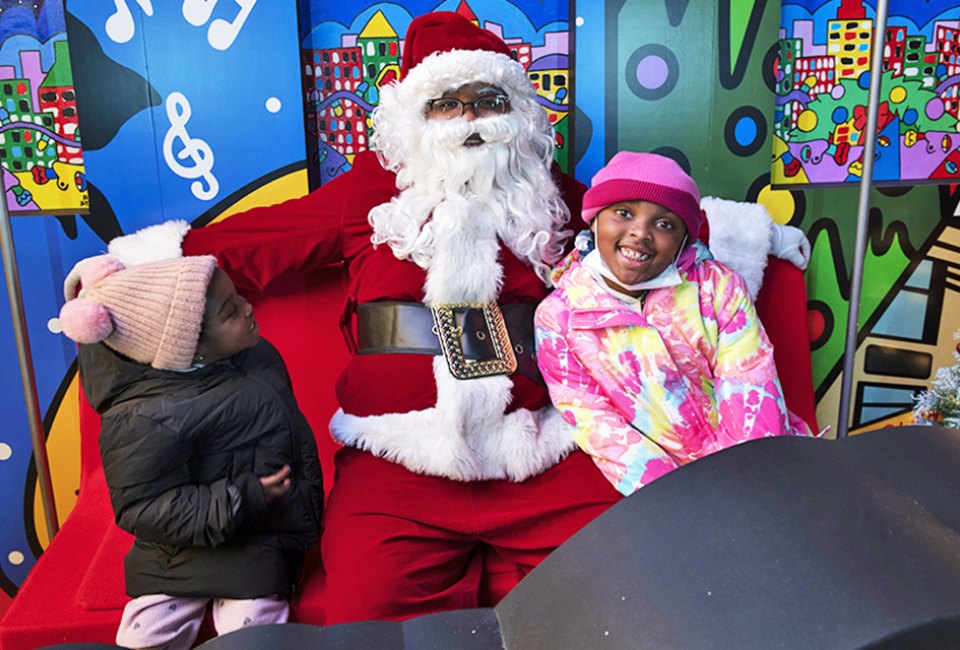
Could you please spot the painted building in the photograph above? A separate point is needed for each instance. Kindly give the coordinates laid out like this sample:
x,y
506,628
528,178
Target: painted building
x,y
18,146
57,98
893,49
336,74
947,45
380,45
815,75
849,41
521,52
918,64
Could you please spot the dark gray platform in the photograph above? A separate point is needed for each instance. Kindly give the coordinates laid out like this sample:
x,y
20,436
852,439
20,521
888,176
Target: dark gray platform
x,y
777,543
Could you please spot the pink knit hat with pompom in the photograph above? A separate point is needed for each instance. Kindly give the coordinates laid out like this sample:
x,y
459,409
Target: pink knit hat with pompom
x,y
631,176
150,313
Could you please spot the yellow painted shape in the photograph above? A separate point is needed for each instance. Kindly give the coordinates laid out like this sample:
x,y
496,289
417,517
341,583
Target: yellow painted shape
x,y
898,94
378,27
59,194
807,121
900,420
779,147
779,203
63,454
291,186
387,69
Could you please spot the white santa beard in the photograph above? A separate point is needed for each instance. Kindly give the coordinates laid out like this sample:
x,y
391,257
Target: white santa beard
x,y
456,205
502,184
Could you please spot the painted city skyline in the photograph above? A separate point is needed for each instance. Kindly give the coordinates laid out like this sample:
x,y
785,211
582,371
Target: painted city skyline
x,y
822,80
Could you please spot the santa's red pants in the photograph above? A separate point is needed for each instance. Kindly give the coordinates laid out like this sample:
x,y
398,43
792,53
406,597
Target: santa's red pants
x,y
398,544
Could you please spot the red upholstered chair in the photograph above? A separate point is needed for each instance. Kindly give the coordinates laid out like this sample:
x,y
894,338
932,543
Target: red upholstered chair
x,y
782,308
75,591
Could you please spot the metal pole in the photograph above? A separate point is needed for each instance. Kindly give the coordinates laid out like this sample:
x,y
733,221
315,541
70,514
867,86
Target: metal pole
x,y
863,208
26,367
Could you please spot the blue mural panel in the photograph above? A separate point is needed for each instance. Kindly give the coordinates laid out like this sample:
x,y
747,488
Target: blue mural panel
x,y
184,111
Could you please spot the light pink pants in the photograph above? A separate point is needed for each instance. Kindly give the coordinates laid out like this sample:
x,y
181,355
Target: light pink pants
x,y
172,623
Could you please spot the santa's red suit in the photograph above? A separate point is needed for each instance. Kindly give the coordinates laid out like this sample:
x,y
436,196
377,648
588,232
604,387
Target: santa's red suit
x,y
434,467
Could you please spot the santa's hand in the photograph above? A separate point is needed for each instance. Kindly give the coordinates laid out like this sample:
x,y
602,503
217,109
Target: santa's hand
x,y
789,243
276,485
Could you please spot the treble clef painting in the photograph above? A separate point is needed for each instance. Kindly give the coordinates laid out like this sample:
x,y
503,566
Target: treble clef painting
x,y
193,150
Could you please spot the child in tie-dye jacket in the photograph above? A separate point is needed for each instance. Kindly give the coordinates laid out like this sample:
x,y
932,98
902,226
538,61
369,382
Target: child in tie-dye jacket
x,y
651,349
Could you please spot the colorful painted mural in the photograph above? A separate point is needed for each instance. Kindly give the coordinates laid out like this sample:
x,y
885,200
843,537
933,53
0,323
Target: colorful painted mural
x,y
39,138
822,81
694,81
698,82
185,115
353,49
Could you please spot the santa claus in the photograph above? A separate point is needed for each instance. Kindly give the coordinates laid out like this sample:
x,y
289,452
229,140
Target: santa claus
x,y
448,231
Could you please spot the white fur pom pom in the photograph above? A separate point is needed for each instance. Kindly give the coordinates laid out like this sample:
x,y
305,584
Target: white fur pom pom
x,y
151,244
85,321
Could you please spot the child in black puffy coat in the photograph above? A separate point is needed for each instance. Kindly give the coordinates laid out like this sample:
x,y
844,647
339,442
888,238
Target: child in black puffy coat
x,y
209,461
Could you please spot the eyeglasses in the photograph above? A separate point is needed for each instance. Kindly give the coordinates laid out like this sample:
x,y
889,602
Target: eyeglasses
x,y
446,108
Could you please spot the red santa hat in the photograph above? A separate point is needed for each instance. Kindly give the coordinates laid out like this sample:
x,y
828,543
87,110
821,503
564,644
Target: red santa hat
x,y
443,51
445,31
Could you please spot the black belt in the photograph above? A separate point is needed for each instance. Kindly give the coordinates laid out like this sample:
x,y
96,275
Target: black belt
x,y
469,336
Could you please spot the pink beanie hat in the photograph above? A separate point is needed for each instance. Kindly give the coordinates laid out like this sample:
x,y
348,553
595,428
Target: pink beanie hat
x,y
150,313
633,176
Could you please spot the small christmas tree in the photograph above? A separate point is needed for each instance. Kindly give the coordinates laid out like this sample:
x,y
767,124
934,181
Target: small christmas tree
x,y
941,404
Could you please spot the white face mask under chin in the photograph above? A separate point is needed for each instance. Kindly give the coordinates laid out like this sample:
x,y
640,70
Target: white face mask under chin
x,y
669,277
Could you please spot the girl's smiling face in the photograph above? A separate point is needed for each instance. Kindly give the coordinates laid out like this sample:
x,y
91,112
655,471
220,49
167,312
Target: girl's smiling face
x,y
637,240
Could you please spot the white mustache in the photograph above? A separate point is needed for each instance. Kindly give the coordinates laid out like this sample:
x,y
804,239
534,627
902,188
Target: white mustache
x,y
451,134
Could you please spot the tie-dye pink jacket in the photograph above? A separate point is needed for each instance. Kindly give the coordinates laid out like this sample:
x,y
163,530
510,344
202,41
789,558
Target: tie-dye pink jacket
x,y
649,392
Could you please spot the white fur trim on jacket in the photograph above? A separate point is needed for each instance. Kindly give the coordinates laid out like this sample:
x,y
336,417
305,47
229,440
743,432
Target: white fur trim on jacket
x,y
151,244
739,237
466,436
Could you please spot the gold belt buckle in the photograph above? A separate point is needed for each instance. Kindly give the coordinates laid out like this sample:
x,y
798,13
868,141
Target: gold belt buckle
x,y
449,333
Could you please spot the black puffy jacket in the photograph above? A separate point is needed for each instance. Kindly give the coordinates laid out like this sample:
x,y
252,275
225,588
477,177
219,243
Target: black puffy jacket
x,y
183,453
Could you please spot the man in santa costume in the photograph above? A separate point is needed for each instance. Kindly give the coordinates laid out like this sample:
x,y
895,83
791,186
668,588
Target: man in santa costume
x,y
448,232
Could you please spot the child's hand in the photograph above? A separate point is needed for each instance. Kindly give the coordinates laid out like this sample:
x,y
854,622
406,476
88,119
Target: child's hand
x,y
276,485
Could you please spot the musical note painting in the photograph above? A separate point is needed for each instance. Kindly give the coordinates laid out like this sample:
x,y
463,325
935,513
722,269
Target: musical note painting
x,y
40,152
183,97
822,78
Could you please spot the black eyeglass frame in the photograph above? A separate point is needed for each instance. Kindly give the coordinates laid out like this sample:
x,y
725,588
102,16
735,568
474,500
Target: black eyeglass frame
x,y
500,98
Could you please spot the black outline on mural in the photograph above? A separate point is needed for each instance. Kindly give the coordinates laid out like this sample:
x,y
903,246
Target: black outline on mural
x,y
730,127
213,212
829,322
731,79
859,404
611,67
866,330
673,71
